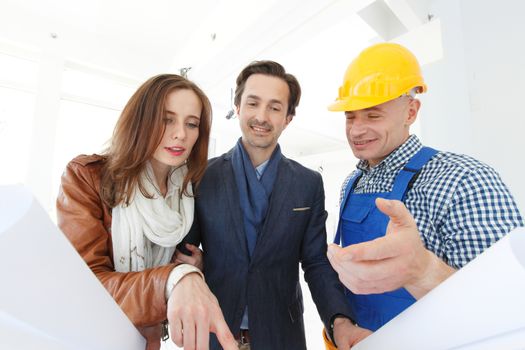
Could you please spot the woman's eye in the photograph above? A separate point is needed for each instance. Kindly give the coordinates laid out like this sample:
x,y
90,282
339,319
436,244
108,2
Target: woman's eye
x,y
168,120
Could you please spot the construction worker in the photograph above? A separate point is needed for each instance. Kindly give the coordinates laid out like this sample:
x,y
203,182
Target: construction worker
x,y
457,205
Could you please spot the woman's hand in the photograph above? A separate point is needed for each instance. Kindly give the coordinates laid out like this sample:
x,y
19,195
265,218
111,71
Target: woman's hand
x,y
194,259
152,335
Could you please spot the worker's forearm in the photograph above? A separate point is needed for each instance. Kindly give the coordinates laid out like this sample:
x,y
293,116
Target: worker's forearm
x,y
436,272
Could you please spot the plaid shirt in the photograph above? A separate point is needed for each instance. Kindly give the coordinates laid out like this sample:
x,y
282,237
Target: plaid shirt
x,y
461,206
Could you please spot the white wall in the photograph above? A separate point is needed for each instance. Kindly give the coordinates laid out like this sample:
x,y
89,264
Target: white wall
x,y
473,104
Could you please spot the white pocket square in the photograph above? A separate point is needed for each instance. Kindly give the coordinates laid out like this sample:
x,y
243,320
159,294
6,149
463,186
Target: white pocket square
x,y
301,209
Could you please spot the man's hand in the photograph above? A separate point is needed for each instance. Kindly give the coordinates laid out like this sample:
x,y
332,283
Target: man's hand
x,y
399,259
346,334
194,259
194,312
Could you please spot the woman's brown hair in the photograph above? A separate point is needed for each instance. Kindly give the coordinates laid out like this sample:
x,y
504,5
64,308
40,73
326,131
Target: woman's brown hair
x,y
139,131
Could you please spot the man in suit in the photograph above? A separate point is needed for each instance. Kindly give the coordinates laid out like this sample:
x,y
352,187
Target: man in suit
x,y
258,215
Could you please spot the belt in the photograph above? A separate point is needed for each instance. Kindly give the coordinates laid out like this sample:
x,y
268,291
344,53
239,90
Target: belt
x,y
243,337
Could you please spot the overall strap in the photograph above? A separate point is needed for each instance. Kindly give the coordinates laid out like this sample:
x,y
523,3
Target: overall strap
x,y
410,172
348,189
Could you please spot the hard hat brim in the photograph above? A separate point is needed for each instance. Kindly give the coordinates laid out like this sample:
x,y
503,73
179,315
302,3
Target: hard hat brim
x,y
355,104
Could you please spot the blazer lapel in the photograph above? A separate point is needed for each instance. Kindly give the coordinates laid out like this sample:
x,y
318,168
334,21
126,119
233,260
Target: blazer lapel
x,y
232,194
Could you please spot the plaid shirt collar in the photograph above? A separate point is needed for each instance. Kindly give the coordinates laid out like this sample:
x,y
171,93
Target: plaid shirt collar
x,y
395,160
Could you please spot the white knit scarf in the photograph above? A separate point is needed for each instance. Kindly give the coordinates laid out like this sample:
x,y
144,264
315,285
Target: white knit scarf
x,y
145,232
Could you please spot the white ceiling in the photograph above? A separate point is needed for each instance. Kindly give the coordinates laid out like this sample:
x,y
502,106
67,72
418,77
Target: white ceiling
x,y
314,39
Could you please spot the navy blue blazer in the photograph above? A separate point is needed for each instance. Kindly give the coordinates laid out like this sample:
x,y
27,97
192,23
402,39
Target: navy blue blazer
x,y
293,232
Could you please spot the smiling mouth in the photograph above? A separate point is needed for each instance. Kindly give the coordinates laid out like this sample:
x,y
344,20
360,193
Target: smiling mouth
x,y
259,129
362,143
175,150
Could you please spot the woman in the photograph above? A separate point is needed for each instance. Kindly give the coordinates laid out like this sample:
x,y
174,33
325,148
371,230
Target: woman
x,y
127,209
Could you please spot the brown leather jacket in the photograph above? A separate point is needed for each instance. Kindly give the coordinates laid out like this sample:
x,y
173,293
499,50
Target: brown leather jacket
x,y
86,221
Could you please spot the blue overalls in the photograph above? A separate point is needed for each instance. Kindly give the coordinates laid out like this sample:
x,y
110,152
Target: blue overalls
x,y
361,221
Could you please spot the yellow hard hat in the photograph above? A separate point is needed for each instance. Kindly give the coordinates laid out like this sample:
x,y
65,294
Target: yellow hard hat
x,y
380,73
